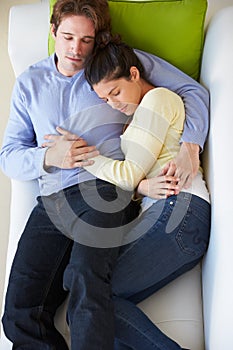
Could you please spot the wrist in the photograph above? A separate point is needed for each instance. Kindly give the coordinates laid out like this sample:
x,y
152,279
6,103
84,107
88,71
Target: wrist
x,y
142,189
192,147
47,162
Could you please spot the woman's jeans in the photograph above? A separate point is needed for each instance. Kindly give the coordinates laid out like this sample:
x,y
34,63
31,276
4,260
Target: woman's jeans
x,y
172,237
177,237
51,260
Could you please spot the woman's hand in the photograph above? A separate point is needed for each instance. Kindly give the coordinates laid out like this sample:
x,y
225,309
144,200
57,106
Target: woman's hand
x,y
67,151
159,187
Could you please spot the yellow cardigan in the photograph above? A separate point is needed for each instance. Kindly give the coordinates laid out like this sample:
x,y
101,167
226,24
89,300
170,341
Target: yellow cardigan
x,y
150,141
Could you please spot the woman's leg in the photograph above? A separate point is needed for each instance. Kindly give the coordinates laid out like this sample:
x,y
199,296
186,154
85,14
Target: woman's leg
x,y
134,330
173,244
35,285
119,345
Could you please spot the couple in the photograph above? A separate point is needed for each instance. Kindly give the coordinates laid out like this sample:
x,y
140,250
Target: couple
x,y
48,261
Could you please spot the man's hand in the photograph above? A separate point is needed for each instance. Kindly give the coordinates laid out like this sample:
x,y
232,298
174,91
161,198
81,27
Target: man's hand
x,y
185,166
177,174
67,151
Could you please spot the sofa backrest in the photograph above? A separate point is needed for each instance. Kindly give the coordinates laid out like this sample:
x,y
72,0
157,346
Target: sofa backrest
x,y
170,29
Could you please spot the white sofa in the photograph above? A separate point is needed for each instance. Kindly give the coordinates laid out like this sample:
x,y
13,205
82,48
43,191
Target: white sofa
x,y
178,308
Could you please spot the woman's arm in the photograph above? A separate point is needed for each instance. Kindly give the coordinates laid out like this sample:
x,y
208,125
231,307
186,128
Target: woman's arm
x,y
143,141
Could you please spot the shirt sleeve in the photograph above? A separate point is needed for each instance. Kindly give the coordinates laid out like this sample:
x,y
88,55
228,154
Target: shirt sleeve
x,y
193,94
141,143
20,157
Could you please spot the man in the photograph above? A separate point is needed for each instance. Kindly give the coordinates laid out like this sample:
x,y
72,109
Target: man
x,y
46,96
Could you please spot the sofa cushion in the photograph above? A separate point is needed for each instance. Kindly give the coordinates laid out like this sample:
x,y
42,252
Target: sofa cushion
x,y
171,29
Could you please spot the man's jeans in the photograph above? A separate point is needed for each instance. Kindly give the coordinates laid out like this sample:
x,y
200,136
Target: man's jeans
x,y
177,235
51,255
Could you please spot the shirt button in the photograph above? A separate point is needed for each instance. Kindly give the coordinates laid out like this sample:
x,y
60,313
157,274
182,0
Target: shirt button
x,y
171,203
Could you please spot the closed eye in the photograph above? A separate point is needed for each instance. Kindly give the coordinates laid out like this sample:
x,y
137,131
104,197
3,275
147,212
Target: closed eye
x,y
87,40
104,99
68,37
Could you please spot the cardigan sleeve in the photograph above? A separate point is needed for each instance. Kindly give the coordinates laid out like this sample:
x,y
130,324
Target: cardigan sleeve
x,y
142,141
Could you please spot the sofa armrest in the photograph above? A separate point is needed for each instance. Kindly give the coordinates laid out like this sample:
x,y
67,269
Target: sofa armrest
x,y
22,37
33,35
217,76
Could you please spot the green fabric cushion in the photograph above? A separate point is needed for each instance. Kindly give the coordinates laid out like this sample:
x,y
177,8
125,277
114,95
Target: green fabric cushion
x,y
171,29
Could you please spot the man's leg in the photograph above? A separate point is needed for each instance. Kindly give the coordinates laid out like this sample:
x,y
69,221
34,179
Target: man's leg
x,y
177,238
90,308
89,273
35,287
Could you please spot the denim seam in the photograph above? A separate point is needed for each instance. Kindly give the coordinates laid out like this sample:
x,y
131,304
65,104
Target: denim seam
x,y
47,289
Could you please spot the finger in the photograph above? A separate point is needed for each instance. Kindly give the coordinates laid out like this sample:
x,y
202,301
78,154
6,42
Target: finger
x,y
69,136
92,154
170,169
170,193
165,194
165,169
62,131
50,137
172,179
80,143
168,182
85,157
84,163
47,144
183,180
83,152
173,187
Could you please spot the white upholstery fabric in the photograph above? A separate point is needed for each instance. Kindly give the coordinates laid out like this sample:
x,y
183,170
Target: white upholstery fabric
x,y
217,76
177,308
28,33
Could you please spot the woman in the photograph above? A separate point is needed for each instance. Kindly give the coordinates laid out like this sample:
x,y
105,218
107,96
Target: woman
x,y
172,233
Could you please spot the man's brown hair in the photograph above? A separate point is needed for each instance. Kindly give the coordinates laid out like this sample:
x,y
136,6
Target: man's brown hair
x,y
96,10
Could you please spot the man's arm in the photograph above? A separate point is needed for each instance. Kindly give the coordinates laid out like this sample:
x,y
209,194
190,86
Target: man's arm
x,y
188,158
194,96
185,165
196,101
23,159
20,156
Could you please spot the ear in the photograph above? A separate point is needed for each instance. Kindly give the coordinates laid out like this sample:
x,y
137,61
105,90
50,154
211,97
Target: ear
x,y
134,73
52,31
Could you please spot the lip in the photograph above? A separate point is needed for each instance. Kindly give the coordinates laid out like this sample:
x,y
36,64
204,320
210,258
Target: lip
x,y
123,109
74,59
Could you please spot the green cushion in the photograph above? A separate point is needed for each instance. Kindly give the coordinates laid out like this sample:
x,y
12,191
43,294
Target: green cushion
x,y
171,29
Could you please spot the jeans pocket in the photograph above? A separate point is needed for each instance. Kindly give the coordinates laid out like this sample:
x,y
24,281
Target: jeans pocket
x,y
193,233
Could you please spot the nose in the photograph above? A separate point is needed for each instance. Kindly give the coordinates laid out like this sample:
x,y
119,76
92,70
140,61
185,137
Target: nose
x,y
114,104
76,47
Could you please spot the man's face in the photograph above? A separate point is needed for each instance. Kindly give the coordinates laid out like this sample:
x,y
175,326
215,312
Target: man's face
x,y
74,42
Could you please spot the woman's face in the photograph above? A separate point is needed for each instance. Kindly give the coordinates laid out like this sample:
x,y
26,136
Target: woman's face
x,y
121,94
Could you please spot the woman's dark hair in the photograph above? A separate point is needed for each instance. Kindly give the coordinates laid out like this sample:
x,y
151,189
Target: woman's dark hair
x,y
111,60
96,10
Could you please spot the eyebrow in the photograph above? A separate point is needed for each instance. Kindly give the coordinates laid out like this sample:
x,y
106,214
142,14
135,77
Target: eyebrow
x,y
109,93
85,36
